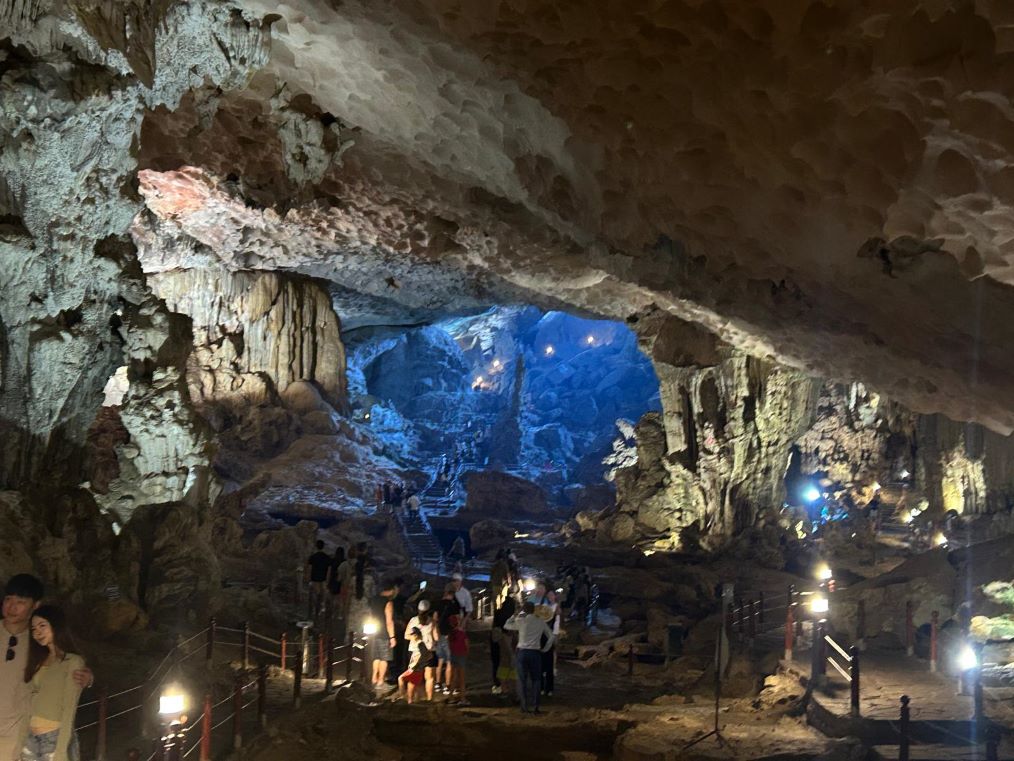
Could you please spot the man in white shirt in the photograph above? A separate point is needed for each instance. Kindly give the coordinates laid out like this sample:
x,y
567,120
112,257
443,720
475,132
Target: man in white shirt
x,y
22,596
424,623
463,596
531,629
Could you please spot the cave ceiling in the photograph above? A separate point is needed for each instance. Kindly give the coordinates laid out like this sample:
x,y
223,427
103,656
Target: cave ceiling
x,y
824,183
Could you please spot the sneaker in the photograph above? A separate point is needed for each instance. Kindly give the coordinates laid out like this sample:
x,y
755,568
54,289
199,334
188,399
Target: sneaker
x,y
447,690
455,692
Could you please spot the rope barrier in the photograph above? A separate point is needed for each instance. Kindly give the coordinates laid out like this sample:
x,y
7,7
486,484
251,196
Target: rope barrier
x,y
836,646
123,712
201,633
121,692
265,652
265,637
840,670
83,727
224,721
229,629
226,699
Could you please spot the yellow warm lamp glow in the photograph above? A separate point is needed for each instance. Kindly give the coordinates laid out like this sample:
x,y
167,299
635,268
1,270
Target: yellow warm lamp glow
x,y
939,539
172,701
370,627
819,605
529,585
824,572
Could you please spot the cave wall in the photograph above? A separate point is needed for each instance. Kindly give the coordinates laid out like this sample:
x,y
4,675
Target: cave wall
x,y
256,333
715,458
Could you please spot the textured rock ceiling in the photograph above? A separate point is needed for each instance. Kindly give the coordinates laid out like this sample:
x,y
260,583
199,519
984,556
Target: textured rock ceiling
x,y
826,183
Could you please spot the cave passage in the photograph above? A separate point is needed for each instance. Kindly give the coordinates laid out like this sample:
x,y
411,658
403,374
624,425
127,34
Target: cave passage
x,y
513,388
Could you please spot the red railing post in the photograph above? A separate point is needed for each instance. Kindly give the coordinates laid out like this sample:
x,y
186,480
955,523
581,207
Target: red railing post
x,y
903,740
788,633
209,652
909,629
206,730
350,651
861,625
854,680
237,714
934,625
100,741
329,669
297,683
320,656
262,695
246,646
284,639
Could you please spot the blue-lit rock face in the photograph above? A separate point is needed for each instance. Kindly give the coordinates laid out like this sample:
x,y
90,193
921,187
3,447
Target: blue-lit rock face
x,y
536,393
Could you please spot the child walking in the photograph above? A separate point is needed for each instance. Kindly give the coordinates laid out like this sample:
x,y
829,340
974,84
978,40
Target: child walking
x,y
414,675
458,642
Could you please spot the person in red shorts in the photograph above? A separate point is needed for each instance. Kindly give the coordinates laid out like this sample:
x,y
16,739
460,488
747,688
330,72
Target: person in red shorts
x,y
458,641
414,675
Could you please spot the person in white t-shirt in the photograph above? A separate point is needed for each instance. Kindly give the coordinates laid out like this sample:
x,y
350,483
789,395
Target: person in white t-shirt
x,y
423,621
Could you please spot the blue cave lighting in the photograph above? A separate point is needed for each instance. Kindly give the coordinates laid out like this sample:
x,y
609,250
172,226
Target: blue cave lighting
x,y
811,493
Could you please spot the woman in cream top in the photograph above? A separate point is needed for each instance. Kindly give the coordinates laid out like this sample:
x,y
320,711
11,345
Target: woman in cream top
x,y
50,673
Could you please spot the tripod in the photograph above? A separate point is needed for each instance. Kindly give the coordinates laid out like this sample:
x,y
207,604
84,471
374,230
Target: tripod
x,y
715,732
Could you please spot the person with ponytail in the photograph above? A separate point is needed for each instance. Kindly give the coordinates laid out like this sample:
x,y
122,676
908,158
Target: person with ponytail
x,y
52,661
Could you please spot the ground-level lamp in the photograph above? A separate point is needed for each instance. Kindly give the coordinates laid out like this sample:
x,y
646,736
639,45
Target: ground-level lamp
x,y
304,644
968,669
370,627
172,707
819,606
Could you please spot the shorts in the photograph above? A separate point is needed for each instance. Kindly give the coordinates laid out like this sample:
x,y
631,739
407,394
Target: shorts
x,y
413,677
459,661
443,650
41,747
381,647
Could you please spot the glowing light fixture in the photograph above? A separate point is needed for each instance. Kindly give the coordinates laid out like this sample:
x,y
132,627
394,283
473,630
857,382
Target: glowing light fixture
x,y
824,572
529,585
497,364
907,518
520,535
550,350
172,702
967,659
590,340
370,627
811,493
366,416
819,605
876,486
648,553
939,539
905,473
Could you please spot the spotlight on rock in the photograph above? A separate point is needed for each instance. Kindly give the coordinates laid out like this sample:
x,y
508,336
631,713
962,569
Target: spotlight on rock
x,y
172,703
811,493
590,340
529,585
939,540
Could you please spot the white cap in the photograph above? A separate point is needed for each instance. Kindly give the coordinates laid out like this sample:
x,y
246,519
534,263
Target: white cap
x,y
424,605
457,577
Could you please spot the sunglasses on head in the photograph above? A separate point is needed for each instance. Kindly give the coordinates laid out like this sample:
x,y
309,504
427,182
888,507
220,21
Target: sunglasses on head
x,y
11,644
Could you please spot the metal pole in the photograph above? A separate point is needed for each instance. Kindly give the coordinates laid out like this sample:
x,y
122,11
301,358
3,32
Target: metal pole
x,y
209,654
349,652
262,695
903,740
934,626
364,662
206,730
788,633
861,625
237,714
909,629
329,669
320,655
284,640
297,684
100,742
854,677
246,644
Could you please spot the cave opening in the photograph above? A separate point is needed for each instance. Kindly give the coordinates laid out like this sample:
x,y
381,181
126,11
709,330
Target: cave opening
x,y
533,393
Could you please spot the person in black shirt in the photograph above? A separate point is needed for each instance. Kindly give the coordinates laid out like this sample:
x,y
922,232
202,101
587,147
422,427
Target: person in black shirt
x,y
497,637
443,610
316,573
